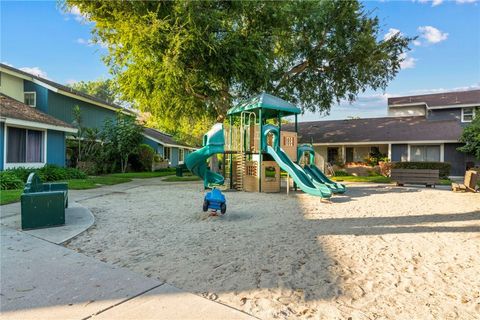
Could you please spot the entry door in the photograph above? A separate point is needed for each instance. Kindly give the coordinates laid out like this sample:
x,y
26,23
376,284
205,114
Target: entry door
x,y
349,154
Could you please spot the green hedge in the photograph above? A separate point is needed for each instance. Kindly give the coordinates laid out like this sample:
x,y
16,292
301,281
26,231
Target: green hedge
x,y
8,181
442,167
47,173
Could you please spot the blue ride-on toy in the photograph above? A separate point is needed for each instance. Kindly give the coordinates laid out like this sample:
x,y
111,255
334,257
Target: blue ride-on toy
x,y
215,200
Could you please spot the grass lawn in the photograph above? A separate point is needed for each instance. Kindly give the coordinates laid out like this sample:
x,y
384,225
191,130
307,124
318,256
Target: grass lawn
x,y
9,196
184,178
143,175
373,179
95,182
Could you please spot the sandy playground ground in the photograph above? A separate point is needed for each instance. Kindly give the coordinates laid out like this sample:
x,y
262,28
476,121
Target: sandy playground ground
x,y
378,252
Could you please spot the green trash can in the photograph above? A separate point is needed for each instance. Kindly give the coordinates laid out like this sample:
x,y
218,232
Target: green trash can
x,y
179,171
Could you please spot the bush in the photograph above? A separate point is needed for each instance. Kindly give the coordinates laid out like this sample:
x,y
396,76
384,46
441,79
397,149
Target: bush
x,y
48,173
443,167
8,181
146,156
342,173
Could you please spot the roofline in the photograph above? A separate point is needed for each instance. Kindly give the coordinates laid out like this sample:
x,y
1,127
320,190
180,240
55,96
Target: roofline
x,y
34,124
167,144
38,80
383,142
408,104
359,119
448,106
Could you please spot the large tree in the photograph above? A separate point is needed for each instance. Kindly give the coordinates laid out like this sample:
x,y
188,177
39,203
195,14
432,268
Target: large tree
x,y
105,89
471,137
192,58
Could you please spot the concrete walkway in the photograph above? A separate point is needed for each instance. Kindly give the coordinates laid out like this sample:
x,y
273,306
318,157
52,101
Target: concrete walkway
x,y
42,280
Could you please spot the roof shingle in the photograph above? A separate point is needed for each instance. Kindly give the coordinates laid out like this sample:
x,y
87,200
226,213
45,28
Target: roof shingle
x,y
388,129
11,108
439,99
163,137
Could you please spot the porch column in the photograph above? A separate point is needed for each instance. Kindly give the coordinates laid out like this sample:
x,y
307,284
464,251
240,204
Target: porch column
x,y
390,151
344,154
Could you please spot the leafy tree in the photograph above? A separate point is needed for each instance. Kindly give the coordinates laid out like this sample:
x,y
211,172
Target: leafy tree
x,y
471,137
195,58
102,89
121,138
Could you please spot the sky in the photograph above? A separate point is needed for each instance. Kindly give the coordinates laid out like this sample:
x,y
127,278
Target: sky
x,y
38,37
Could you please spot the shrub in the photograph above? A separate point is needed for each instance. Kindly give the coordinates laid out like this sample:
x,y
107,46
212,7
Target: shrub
x,y
9,180
342,173
47,173
145,157
442,167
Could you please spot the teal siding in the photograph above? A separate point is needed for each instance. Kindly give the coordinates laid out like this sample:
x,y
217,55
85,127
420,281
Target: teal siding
x,y
151,143
56,148
2,139
93,116
174,157
41,96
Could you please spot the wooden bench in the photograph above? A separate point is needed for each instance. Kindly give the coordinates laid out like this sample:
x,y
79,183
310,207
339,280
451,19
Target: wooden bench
x,y
415,176
469,183
43,204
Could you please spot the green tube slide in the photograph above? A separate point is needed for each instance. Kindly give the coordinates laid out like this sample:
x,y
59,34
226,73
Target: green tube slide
x,y
213,143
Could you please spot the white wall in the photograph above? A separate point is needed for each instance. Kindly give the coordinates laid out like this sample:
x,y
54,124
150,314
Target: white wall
x,y
11,86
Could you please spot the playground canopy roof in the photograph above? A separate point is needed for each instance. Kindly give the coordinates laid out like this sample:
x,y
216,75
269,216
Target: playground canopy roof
x,y
270,105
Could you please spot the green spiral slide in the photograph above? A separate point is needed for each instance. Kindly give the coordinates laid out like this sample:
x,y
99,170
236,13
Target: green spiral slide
x,y
213,143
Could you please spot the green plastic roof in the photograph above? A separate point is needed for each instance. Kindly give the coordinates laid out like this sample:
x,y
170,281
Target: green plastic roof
x,y
272,104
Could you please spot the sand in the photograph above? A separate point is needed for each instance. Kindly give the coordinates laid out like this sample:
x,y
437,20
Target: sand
x,y
378,252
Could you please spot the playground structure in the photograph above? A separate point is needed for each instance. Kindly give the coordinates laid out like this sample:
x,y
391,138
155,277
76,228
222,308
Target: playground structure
x,y
255,149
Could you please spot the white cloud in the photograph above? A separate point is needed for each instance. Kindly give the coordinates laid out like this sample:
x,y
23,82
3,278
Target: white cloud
x,y
417,43
408,61
71,81
434,2
465,1
432,34
35,71
474,86
90,43
77,14
391,32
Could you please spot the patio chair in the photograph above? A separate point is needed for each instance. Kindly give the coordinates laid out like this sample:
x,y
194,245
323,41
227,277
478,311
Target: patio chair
x,y
469,183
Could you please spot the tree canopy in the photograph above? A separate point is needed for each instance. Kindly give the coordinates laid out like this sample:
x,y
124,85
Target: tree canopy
x,y
471,137
191,59
102,89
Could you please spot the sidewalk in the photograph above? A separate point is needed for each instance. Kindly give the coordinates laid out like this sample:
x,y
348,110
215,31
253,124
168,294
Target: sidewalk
x,y
42,280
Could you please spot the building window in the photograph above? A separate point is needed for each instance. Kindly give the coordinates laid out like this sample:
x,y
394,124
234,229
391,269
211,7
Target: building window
x,y
468,114
166,153
24,145
181,155
425,153
30,98
332,155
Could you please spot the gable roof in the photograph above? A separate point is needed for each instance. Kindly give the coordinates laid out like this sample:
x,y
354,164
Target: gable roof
x,y
63,89
15,112
163,138
434,100
387,129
